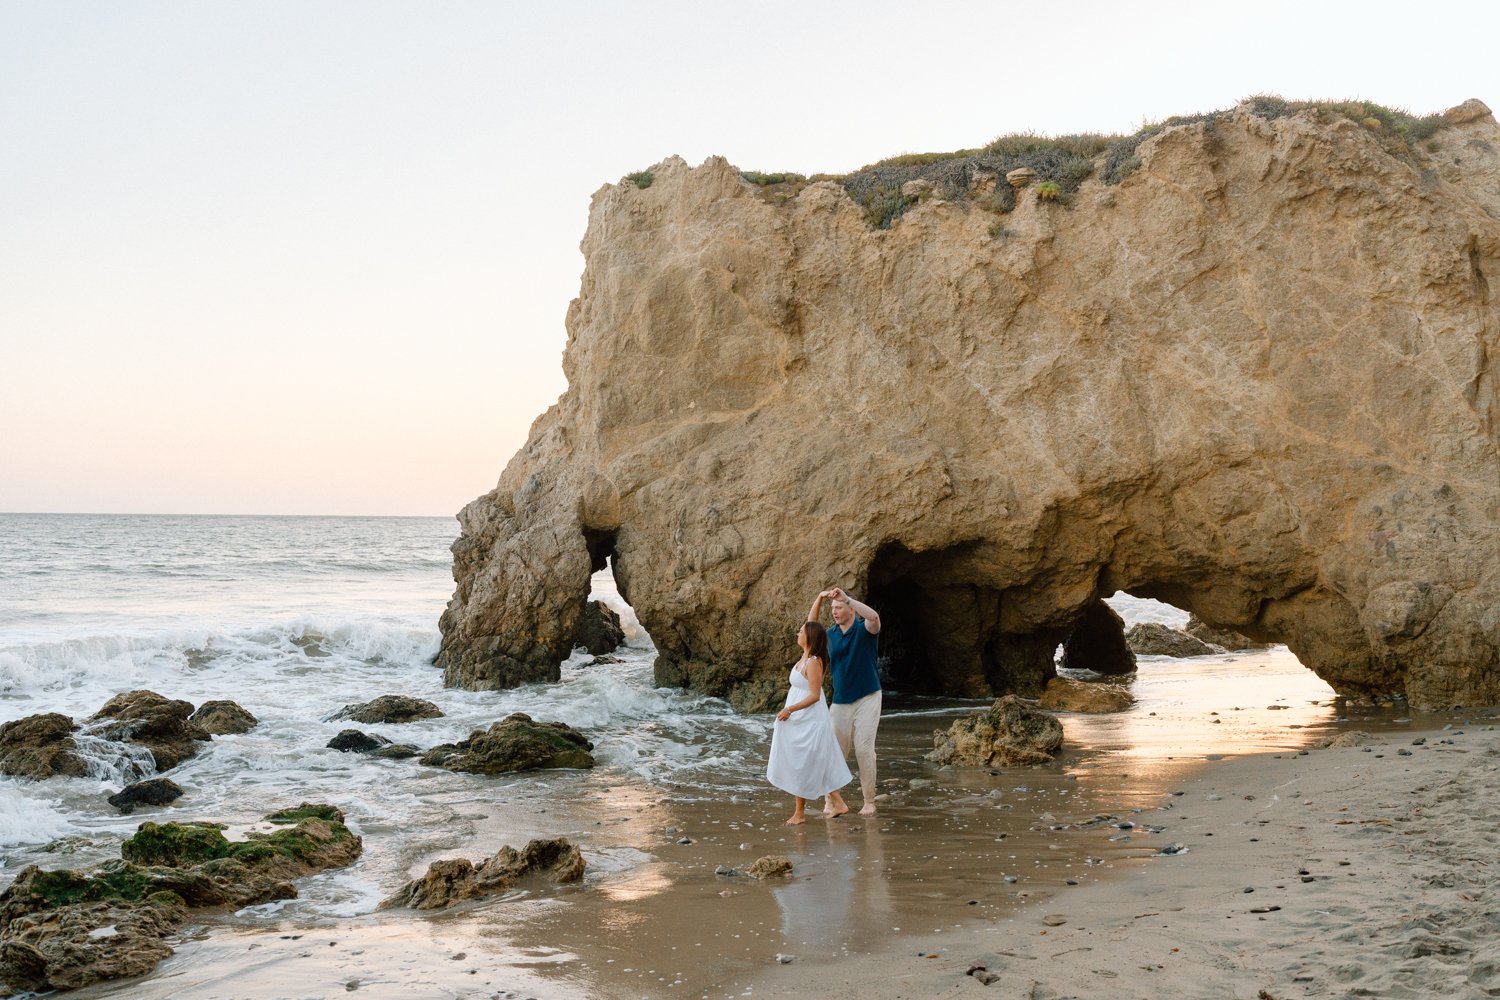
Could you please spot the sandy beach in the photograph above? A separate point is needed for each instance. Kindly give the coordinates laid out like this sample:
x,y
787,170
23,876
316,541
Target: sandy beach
x,y
1362,871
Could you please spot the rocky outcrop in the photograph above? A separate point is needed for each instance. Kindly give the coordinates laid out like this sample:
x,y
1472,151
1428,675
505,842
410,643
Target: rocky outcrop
x,y
515,743
1256,378
150,720
152,792
1097,642
357,741
1009,734
1224,638
40,746
388,708
223,718
457,879
64,929
1064,695
1155,639
599,632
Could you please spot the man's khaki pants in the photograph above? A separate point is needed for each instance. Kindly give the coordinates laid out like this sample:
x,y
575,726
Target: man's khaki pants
x,y
854,725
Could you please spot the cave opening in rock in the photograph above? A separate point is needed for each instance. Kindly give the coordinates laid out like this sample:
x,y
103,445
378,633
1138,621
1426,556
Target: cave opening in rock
x,y
608,586
940,620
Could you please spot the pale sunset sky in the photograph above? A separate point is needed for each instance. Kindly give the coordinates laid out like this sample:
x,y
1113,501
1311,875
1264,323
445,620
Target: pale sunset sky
x,y
314,257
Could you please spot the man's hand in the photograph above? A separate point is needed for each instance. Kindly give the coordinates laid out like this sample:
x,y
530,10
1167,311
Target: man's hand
x,y
837,593
827,594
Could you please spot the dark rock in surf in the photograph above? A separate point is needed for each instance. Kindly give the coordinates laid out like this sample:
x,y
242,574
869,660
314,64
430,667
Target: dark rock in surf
x,y
1153,639
599,630
1230,640
223,718
1009,734
389,709
150,720
152,792
1097,642
40,746
515,743
371,744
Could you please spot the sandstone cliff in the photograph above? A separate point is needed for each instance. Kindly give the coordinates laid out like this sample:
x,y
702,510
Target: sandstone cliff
x,y
1259,378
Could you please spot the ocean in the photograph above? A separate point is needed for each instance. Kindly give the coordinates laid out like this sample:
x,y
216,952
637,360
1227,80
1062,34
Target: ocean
x,y
295,617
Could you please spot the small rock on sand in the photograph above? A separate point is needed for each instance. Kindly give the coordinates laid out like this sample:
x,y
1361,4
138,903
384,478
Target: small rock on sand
x,y
770,866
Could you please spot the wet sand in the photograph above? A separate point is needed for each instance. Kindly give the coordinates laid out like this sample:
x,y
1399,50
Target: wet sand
x,y
1338,872
960,864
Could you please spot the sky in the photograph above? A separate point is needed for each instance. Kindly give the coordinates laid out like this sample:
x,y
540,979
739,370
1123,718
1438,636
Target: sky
x,y
314,257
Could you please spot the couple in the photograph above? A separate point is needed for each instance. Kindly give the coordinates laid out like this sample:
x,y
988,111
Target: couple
x,y
810,744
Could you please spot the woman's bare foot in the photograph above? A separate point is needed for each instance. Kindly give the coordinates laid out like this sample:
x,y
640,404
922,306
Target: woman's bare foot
x,y
835,806
868,810
797,820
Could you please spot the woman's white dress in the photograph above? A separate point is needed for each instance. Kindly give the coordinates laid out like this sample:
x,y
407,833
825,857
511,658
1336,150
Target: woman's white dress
x,y
805,756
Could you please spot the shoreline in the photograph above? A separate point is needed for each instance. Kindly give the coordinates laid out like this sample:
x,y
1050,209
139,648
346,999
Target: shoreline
x,y
1374,870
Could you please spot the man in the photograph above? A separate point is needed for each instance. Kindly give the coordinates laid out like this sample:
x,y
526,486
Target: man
x,y
852,648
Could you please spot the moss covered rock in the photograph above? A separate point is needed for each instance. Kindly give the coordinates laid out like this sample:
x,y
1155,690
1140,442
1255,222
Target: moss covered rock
x,y
1009,734
51,922
515,743
40,746
157,723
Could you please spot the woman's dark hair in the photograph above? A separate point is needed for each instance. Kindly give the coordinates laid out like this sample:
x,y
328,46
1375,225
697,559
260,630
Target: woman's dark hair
x,y
817,643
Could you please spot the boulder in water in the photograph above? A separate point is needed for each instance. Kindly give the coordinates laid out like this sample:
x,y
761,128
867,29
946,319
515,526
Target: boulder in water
x,y
223,718
40,746
372,744
1230,640
1010,733
64,929
1097,642
389,709
150,720
1154,639
1064,695
450,881
599,630
515,743
152,792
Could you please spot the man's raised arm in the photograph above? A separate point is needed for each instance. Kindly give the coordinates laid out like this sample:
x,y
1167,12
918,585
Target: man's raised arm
x,y
869,614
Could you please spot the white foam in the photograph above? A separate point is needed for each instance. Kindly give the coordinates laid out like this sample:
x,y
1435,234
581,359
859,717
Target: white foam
x,y
29,817
1144,609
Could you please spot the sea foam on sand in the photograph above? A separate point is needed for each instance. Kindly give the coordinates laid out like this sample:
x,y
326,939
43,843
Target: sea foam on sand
x,y
1340,872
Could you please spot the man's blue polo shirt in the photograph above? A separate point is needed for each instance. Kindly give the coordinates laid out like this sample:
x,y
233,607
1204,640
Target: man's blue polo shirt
x,y
853,655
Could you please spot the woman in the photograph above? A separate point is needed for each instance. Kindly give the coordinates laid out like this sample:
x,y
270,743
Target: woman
x,y
805,757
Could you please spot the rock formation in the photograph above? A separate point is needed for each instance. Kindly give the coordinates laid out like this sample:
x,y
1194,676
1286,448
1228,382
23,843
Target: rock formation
x,y
1256,378
223,718
40,746
599,631
151,792
1156,639
64,929
1064,695
389,708
150,720
456,879
1010,733
1097,642
515,743
373,744
1226,639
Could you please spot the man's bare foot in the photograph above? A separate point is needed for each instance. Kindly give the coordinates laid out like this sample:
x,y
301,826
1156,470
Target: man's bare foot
x,y
797,820
868,810
834,811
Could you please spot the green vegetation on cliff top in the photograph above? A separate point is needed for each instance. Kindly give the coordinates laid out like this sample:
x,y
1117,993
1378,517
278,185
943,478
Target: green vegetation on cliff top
x,y
1062,163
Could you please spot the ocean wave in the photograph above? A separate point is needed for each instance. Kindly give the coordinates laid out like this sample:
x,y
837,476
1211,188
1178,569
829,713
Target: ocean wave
x,y
29,818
